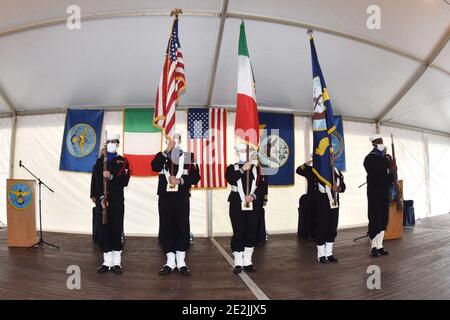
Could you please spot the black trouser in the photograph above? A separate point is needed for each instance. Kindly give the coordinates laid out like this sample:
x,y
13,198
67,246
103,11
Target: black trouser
x,y
327,219
111,233
174,228
96,222
245,226
307,218
261,231
378,210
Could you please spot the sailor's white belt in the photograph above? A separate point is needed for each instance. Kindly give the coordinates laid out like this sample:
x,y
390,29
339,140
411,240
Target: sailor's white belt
x,y
234,189
185,172
322,188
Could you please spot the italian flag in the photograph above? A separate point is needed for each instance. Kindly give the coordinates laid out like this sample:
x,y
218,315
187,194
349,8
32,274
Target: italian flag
x,y
247,124
141,140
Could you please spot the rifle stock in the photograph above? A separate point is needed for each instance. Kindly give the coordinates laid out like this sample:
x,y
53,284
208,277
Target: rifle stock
x,y
105,185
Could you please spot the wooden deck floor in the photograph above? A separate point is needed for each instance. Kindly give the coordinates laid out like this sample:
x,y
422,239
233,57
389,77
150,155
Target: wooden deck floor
x,y
418,268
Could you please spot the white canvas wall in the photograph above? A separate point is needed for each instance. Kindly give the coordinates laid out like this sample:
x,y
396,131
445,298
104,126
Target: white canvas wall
x,y
38,144
409,151
439,154
5,139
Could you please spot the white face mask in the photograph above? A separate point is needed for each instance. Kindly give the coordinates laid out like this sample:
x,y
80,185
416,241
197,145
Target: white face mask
x,y
111,147
242,157
380,147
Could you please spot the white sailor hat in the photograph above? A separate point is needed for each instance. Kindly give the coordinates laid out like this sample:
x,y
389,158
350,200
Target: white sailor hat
x,y
375,137
241,147
112,136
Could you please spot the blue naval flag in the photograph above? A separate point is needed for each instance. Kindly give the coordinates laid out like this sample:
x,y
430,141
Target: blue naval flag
x,y
276,148
322,123
81,140
338,144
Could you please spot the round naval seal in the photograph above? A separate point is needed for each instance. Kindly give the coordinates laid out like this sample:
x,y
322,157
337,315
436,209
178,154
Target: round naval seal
x,y
273,151
81,140
337,142
20,196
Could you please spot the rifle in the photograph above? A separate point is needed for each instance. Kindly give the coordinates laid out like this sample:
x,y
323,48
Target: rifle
x,y
398,196
105,184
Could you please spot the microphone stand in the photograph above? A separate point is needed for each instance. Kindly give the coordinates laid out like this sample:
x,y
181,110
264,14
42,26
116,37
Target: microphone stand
x,y
362,237
40,242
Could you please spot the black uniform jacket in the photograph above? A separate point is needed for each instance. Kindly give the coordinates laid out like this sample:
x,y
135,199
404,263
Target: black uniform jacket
x,y
120,177
234,173
378,174
190,176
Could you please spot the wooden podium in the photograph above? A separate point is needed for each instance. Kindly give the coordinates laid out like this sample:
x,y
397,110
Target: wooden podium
x,y
394,228
21,212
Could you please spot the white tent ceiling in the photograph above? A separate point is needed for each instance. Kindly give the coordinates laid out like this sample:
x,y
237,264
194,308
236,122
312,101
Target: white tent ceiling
x,y
400,73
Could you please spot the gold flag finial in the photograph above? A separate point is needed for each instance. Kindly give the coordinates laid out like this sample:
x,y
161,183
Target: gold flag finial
x,y
175,12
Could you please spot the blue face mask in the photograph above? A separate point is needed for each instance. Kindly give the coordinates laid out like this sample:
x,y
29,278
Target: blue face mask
x,y
378,152
111,156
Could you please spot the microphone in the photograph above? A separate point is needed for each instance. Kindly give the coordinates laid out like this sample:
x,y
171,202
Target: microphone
x,y
20,163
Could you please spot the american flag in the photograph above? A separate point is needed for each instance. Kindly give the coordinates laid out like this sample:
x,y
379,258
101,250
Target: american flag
x,y
207,140
171,84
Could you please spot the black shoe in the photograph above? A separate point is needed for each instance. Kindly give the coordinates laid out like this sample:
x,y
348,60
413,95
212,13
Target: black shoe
x,y
237,269
332,259
323,259
250,268
165,270
383,252
103,269
117,269
185,271
374,253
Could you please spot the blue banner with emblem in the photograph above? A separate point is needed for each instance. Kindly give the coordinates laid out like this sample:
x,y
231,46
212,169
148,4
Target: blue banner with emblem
x,y
276,147
81,140
322,123
337,141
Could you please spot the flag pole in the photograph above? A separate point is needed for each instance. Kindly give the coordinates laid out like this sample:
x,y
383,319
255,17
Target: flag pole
x,y
175,12
247,184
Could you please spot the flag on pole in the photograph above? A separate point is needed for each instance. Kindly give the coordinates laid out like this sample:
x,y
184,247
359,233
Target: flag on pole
x,y
171,84
323,123
246,127
338,144
141,140
81,140
207,139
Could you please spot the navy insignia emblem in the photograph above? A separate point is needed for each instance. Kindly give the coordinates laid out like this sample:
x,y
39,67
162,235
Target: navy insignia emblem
x,y
81,140
20,196
273,152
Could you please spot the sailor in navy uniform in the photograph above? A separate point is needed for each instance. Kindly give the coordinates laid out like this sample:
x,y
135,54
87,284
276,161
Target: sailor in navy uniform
x,y
327,216
177,173
380,176
245,222
110,237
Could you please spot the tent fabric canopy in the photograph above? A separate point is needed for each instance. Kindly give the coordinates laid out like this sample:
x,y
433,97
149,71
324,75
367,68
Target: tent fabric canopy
x,y
399,73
